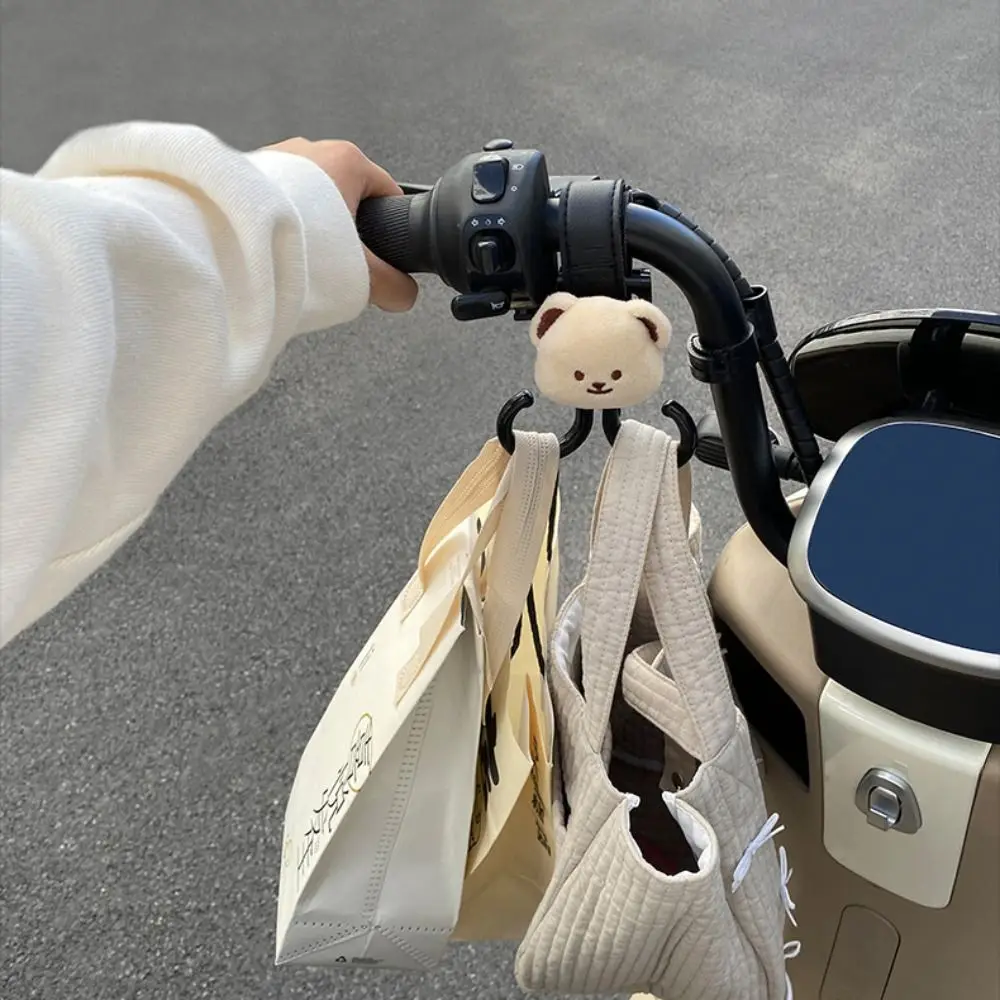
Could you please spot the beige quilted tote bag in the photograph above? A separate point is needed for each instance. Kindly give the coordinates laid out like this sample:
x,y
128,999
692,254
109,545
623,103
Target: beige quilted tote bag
x,y
666,879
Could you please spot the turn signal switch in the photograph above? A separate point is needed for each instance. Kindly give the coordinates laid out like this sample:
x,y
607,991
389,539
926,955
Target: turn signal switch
x,y
492,252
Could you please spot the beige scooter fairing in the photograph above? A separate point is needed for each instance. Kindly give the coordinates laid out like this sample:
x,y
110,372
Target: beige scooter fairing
x,y
859,941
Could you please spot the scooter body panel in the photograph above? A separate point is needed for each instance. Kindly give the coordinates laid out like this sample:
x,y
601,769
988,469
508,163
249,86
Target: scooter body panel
x,y
860,941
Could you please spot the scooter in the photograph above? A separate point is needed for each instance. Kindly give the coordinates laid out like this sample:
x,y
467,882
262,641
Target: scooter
x,y
860,616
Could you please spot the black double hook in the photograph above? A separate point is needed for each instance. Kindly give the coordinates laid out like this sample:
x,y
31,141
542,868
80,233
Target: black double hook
x,y
583,423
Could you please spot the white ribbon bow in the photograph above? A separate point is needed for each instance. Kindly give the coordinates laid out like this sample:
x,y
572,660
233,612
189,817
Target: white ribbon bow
x,y
767,832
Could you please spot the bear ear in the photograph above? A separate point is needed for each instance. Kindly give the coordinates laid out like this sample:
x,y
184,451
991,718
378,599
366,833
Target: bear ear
x,y
654,321
549,311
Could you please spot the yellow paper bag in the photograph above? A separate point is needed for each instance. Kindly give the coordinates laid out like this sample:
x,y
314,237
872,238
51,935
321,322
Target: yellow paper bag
x,y
511,848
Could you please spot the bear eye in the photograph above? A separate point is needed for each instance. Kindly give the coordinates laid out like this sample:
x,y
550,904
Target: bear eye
x,y
616,374
579,376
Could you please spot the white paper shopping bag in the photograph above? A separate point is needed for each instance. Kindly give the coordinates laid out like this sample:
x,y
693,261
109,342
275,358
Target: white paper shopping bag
x,y
377,824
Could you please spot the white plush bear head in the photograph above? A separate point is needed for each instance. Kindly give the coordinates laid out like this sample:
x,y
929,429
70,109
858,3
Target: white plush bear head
x,y
598,353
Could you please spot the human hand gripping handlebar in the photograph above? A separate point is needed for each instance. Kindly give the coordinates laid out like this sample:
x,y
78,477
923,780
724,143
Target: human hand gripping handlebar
x,y
503,234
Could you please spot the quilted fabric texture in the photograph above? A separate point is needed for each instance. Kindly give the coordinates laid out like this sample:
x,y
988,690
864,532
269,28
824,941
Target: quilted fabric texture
x,y
675,893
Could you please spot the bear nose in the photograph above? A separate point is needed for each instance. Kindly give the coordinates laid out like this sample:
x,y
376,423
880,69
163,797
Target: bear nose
x,y
599,385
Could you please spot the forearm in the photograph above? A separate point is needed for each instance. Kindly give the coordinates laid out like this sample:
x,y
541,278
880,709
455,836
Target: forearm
x,y
150,276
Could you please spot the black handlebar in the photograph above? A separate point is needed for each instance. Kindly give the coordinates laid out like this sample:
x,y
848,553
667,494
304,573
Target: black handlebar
x,y
701,275
503,234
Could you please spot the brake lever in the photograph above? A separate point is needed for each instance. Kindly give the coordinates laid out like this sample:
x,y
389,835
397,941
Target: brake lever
x,y
711,450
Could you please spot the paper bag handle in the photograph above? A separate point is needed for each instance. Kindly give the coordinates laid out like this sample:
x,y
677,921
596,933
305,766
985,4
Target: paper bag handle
x,y
520,537
478,484
517,522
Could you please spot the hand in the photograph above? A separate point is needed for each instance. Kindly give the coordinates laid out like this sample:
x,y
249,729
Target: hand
x,y
358,178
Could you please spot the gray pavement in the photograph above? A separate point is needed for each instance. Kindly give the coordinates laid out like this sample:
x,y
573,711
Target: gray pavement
x,y
846,153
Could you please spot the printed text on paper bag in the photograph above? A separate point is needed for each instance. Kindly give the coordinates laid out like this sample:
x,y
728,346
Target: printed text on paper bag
x,y
349,778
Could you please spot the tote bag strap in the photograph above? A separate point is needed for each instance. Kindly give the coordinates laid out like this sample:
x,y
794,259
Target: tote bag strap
x,y
650,692
679,603
684,485
624,512
519,538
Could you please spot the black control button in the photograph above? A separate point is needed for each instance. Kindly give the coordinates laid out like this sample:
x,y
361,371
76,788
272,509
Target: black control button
x,y
491,252
495,145
479,305
486,255
489,179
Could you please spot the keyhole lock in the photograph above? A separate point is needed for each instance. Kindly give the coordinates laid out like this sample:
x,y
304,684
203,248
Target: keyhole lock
x,y
888,801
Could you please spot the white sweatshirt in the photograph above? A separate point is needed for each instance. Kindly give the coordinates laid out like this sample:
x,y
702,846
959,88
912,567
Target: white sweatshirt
x,y
149,277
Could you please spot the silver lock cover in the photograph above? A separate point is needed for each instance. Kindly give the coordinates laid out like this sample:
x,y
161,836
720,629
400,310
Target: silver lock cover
x,y
888,801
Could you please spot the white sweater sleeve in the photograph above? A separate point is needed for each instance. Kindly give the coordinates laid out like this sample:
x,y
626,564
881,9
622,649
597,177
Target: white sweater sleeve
x,y
150,275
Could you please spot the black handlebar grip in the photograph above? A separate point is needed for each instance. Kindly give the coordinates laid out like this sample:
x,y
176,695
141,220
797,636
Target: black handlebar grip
x,y
397,230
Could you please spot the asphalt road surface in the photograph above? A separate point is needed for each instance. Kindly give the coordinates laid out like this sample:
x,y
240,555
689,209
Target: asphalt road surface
x,y
846,154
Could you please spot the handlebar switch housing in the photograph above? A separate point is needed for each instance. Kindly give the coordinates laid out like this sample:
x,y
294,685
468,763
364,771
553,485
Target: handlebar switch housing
x,y
492,201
